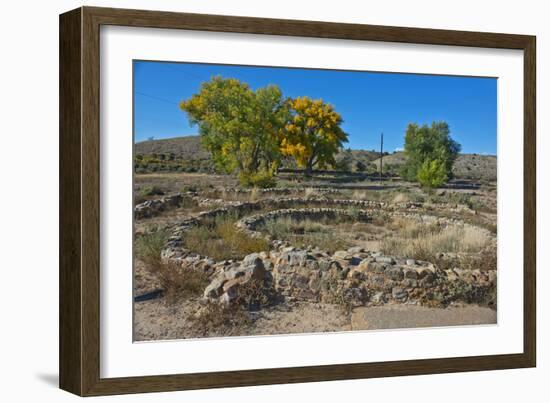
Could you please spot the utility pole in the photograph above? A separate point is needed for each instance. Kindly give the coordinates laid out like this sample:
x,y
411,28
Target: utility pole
x,y
381,153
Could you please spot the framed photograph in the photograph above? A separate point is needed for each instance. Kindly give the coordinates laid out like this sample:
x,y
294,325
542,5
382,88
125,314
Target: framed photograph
x,y
248,201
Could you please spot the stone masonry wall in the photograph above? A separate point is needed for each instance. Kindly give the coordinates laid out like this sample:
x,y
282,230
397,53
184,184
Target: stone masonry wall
x,y
350,277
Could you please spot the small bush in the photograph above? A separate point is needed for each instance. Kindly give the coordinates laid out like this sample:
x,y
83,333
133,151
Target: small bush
x,y
485,260
256,294
180,281
221,320
148,248
151,191
360,166
261,179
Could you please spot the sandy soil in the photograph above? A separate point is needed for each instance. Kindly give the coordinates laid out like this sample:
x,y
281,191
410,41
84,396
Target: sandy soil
x,y
155,320
410,316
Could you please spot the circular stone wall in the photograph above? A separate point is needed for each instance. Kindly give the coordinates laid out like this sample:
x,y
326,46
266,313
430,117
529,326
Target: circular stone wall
x,y
351,277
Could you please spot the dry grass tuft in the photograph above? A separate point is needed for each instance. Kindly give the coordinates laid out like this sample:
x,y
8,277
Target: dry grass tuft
x,y
148,248
401,198
256,294
419,241
221,240
311,192
304,233
359,195
180,281
176,281
221,320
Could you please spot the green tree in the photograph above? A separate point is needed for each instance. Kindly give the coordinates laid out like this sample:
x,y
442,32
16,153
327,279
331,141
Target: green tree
x,y
313,134
426,144
239,126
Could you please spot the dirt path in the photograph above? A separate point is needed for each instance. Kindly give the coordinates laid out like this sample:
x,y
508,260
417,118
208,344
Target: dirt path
x,y
411,316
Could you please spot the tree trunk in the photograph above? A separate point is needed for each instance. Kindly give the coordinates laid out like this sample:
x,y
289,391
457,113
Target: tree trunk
x,y
309,166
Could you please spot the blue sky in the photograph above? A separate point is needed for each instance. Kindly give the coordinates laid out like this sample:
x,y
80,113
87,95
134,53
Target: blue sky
x,y
370,103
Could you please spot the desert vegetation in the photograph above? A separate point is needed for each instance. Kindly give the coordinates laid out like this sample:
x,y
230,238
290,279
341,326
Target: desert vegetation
x,y
220,239
451,231
264,223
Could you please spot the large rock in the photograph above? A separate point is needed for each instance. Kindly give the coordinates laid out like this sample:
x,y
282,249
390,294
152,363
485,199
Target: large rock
x,y
355,296
342,254
385,259
253,259
231,288
399,294
215,288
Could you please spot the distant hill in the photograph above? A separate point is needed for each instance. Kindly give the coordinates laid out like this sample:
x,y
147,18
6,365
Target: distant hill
x,y
185,147
467,166
395,159
475,166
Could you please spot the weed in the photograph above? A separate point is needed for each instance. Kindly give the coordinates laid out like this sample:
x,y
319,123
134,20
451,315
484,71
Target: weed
x,y
311,192
304,233
221,240
151,191
254,295
333,291
218,319
419,240
180,281
148,248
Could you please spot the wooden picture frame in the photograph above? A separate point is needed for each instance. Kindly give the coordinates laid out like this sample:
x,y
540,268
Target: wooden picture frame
x,y
79,346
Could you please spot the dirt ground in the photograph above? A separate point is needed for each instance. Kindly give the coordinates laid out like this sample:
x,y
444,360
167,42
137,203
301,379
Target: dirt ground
x,y
410,316
155,320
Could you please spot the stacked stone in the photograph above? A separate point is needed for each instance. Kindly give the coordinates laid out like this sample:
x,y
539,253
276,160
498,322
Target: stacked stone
x,y
150,208
356,277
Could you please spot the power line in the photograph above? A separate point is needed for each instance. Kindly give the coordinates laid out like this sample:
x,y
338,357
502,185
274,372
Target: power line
x,y
156,98
170,66
179,70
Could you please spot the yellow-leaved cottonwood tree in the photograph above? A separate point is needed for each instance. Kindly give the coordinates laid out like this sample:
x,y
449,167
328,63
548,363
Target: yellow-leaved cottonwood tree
x,y
312,135
247,131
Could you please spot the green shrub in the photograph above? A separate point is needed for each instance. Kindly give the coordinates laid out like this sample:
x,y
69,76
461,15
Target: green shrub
x,y
151,191
360,166
261,179
432,173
